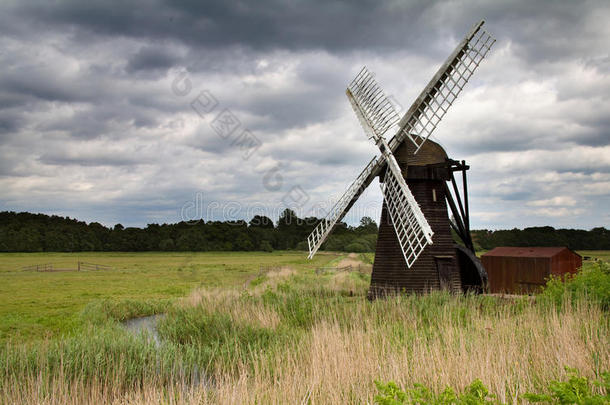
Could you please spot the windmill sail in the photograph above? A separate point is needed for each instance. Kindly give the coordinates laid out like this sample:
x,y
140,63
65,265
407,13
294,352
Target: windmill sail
x,y
374,110
376,115
323,229
432,104
412,229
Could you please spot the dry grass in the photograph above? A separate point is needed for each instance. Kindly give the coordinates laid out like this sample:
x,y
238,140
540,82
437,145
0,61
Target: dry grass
x,y
510,354
512,346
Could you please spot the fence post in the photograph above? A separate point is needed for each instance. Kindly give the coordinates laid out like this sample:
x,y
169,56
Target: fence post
x,y
78,269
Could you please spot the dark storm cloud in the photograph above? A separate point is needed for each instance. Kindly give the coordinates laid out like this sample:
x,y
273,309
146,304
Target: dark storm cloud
x,y
257,24
87,107
542,30
10,100
114,120
8,123
293,109
152,58
61,160
42,86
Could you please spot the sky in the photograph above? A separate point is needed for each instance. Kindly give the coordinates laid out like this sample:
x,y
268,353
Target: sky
x,y
159,111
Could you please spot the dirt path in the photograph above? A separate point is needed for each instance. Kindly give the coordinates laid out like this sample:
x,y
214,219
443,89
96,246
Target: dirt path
x,y
352,259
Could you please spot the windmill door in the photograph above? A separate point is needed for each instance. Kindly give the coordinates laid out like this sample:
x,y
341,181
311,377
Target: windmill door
x,y
444,266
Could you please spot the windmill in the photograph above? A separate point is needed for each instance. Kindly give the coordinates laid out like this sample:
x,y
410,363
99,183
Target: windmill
x,y
415,250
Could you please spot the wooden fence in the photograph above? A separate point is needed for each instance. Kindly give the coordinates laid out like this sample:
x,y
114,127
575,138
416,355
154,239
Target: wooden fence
x,y
359,268
80,266
84,266
38,267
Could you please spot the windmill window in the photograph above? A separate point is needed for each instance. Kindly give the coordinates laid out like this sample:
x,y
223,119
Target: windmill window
x,y
434,194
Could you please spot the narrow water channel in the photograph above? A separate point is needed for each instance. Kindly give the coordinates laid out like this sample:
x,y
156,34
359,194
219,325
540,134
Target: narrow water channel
x,y
145,325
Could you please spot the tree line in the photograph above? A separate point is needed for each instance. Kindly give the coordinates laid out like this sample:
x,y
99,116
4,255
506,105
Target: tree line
x,y
575,239
26,232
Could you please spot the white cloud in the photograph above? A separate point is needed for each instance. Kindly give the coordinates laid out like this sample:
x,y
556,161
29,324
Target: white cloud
x,y
559,201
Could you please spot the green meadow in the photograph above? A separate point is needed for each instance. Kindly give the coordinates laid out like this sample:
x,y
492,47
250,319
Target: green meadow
x,y
268,328
36,305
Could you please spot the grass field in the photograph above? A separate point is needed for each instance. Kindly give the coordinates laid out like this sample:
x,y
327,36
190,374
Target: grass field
x,y
596,254
39,304
234,334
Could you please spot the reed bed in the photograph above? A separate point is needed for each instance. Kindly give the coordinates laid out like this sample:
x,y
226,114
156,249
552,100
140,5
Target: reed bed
x,y
298,339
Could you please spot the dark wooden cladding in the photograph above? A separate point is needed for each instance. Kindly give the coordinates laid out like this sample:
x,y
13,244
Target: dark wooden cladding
x,y
430,153
526,270
426,174
390,272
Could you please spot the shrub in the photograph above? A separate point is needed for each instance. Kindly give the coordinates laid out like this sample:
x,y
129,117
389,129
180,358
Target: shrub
x,y
593,282
577,390
356,247
266,246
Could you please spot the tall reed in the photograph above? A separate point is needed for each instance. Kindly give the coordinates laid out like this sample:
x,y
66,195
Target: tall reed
x,y
291,339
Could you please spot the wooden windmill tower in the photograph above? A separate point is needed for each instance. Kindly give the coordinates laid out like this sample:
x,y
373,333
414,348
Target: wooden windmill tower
x,y
415,250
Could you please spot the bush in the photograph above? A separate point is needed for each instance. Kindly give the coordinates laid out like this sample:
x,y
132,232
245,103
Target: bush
x,y
266,246
302,246
356,247
592,282
577,390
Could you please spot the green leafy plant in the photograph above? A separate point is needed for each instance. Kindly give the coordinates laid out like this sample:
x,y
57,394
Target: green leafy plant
x,y
592,282
576,390
474,394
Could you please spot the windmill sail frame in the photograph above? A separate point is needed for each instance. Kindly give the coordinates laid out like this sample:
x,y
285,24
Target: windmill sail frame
x,y
422,118
338,211
374,110
412,229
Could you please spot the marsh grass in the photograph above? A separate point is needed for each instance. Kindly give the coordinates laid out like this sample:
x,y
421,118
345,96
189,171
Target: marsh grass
x,y
296,337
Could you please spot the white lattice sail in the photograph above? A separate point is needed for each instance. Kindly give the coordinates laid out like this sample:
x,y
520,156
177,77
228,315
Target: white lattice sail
x,y
432,104
412,229
374,110
322,230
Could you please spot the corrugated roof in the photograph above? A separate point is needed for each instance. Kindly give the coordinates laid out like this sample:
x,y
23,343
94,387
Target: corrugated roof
x,y
508,251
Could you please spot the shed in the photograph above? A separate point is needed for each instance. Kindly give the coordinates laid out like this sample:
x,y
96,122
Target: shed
x,y
526,269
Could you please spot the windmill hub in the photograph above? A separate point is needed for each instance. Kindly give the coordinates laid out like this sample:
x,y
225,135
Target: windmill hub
x,y
415,250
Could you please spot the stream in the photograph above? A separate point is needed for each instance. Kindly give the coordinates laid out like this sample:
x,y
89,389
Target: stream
x,y
147,325
144,325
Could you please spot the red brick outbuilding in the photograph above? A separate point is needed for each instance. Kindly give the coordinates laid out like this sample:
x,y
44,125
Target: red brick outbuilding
x,y
522,270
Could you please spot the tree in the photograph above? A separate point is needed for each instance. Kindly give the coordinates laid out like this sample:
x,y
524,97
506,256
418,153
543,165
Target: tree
x,y
367,225
166,245
266,246
261,221
288,218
